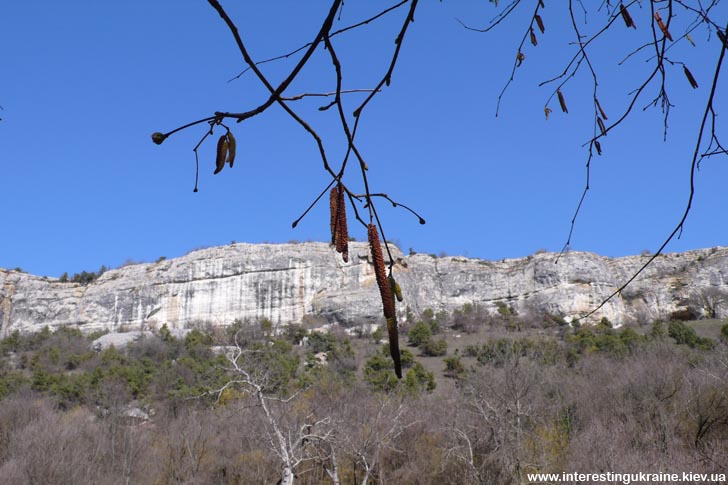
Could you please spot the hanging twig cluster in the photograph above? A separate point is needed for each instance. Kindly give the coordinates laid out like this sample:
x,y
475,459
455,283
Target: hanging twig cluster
x,y
661,14
338,190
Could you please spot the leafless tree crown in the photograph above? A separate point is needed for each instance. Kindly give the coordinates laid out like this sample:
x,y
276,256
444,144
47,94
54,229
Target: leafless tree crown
x,y
662,24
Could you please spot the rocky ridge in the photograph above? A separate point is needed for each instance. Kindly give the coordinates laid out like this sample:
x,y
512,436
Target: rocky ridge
x,y
309,283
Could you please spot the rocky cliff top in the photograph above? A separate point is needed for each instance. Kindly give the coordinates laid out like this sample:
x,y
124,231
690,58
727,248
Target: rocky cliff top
x,y
308,282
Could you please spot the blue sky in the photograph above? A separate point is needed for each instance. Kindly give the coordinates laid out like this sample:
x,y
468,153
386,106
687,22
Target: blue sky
x,y
84,84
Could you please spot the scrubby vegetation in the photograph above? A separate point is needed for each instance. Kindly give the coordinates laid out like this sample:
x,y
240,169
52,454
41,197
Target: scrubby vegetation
x,y
502,396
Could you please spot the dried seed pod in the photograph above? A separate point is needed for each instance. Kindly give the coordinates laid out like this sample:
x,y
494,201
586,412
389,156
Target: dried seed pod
x,y
342,230
690,77
222,148
690,39
598,147
562,101
601,111
231,148
539,22
520,57
602,128
396,289
626,17
394,345
662,26
547,111
534,41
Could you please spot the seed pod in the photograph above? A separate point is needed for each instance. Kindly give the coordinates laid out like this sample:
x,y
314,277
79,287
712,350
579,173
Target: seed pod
x,y
626,16
534,41
231,148
547,111
520,57
562,101
690,77
342,230
690,39
601,111
539,22
598,147
396,289
222,148
662,26
602,128
394,345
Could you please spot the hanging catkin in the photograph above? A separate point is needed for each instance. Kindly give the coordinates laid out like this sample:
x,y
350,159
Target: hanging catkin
x,y
385,293
342,230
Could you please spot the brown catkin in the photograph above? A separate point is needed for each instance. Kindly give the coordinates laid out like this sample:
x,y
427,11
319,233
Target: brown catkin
x,y
394,345
539,22
380,272
342,230
333,201
222,148
690,77
662,26
385,293
602,128
534,41
601,111
626,17
562,101
231,148
598,146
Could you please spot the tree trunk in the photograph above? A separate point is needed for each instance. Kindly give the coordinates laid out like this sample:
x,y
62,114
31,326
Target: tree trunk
x,y
287,477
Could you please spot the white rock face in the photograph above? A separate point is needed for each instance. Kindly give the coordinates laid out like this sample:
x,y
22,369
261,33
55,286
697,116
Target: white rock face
x,y
309,283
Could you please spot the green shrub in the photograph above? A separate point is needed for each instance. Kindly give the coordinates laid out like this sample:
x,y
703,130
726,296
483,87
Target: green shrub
x,y
434,348
454,367
419,334
724,333
685,335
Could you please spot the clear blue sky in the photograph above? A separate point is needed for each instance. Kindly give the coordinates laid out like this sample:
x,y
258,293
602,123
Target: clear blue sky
x,y
84,84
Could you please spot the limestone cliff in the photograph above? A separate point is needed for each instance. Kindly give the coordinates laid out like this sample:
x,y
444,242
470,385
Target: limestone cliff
x,y
309,283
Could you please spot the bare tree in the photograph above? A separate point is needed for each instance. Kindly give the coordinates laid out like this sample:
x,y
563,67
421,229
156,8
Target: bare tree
x,y
292,435
707,301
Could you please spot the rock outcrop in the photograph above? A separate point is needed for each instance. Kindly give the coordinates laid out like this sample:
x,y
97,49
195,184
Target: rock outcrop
x,y
309,283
